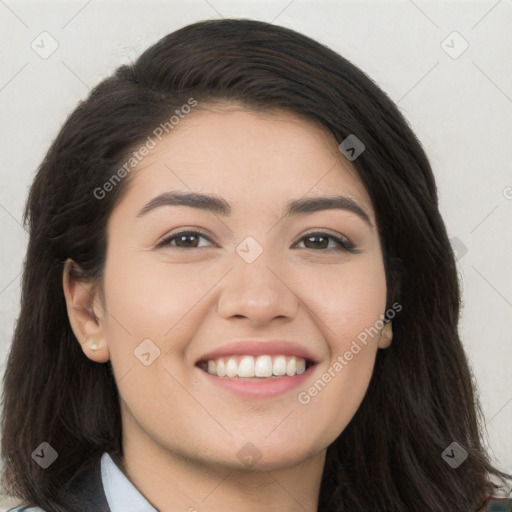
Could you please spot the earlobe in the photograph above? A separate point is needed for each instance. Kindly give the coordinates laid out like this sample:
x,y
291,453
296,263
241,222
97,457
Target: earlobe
x,y
84,314
386,335
95,349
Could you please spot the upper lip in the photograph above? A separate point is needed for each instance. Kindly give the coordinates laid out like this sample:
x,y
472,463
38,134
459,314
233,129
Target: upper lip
x,y
257,348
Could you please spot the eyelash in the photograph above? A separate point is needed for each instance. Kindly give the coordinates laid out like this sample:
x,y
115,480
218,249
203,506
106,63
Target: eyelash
x,y
344,245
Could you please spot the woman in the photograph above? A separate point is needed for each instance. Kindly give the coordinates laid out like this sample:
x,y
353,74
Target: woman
x,y
239,295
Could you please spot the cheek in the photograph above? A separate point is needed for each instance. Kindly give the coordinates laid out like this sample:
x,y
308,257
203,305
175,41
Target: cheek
x,y
347,300
348,306
161,302
150,299
342,379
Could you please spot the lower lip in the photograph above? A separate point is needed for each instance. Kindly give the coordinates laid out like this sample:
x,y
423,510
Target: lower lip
x,y
259,388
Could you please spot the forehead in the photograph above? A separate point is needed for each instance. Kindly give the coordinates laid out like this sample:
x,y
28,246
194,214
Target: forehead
x,y
249,157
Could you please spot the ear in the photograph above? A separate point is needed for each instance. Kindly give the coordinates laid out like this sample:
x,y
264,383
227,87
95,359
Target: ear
x,y
85,313
386,335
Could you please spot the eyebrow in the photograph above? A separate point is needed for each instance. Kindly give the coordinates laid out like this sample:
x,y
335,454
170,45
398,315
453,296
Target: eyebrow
x,y
218,205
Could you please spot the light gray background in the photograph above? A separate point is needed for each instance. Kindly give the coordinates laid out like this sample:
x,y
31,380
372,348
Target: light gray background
x,y
460,108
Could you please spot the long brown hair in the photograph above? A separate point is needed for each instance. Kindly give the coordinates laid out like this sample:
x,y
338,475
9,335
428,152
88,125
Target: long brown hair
x,y
421,396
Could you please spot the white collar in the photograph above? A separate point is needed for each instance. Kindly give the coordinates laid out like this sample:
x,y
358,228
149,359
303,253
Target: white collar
x,y
121,494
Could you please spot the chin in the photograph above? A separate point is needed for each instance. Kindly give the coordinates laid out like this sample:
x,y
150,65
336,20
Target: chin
x,y
253,457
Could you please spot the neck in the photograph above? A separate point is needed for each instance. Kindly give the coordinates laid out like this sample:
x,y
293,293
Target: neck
x,y
171,481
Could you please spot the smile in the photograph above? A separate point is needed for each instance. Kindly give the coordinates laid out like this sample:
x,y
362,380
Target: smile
x,y
260,367
257,377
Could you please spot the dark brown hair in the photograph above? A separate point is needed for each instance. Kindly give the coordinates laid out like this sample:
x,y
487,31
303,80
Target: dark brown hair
x,y
421,396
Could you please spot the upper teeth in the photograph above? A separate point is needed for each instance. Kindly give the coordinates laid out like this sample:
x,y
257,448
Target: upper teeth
x,y
261,366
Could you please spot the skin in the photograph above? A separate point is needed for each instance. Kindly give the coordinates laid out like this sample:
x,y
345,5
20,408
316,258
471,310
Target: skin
x,y
181,434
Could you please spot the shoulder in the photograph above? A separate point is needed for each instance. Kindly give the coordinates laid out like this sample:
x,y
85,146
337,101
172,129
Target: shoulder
x,y
27,508
84,492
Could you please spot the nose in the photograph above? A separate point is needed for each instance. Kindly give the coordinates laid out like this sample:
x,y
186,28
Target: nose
x,y
258,291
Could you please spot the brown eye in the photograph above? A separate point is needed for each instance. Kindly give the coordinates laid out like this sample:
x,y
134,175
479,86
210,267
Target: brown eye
x,y
183,240
323,240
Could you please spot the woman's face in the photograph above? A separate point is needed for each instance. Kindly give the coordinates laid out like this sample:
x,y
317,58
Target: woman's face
x,y
245,282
